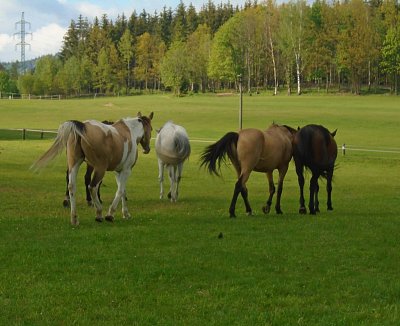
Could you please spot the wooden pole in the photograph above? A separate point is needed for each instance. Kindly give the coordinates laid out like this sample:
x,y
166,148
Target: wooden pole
x,y
240,103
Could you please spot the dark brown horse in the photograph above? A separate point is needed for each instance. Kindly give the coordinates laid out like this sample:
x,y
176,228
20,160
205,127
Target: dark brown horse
x,y
314,148
253,149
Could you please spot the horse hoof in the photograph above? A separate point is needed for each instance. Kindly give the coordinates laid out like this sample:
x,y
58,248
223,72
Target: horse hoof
x,y
330,208
232,215
279,212
99,219
303,210
127,216
313,213
66,203
74,220
249,213
109,218
266,209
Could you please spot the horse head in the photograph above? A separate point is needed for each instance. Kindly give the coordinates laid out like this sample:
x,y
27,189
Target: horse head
x,y
146,122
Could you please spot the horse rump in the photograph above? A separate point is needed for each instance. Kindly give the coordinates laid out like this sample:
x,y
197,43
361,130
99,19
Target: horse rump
x,y
65,130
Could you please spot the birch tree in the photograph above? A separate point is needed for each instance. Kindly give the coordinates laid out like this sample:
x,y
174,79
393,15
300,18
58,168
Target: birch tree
x,y
294,24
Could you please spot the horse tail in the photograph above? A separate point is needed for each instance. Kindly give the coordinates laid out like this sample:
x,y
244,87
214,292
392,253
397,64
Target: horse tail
x,y
215,154
182,146
65,130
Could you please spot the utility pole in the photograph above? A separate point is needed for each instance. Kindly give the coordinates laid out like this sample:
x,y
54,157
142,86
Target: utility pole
x,y
21,35
240,102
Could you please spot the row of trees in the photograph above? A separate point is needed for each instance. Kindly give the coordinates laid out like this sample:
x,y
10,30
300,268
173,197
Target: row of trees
x,y
328,44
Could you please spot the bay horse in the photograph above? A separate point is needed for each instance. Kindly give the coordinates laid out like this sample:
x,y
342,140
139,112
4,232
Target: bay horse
x,y
104,147
253,149
87,178
172,148
314,148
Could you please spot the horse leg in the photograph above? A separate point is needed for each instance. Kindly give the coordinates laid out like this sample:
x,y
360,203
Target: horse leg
x,y
73,172
161,177
172,179
240,187
267,206
316,203
94,191
313,189
178,177
244,192
300,178
66,198
329,188
282,174
88,175
121,178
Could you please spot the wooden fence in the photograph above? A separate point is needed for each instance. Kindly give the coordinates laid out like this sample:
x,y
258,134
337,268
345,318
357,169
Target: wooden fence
x,y
26,133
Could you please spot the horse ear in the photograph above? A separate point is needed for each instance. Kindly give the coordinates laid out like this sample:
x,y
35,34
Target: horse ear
x,y
333,134
139,114
151,115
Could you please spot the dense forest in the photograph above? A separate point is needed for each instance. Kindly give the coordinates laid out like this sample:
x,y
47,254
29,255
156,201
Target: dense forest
x,y
288,47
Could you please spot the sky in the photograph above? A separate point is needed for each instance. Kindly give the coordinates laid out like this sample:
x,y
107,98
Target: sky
x,y
49,20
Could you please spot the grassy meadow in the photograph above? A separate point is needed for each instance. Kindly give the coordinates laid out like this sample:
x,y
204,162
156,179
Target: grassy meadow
x,y
168,265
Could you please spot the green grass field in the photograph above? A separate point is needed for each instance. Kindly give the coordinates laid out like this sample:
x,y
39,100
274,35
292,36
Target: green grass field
x,y
167,265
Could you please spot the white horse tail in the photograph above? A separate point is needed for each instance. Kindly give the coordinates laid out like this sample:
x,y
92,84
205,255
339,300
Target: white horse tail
x,y
182,145
74,128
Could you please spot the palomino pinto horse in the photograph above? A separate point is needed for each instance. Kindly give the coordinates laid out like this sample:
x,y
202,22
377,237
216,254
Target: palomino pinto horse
x,y
105,148
87,178
172,148
314,148
253,149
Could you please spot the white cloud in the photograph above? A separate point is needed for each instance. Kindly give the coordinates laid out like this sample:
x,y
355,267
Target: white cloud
x,y
91,10
46,40
5,41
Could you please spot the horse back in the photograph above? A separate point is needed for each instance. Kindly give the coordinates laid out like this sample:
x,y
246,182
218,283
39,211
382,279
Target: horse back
x,y
172,144
315,147
278,147
263,151
106,146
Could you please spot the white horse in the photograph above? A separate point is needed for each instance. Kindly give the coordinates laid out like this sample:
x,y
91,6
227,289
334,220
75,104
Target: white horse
x,y
105,148
172,148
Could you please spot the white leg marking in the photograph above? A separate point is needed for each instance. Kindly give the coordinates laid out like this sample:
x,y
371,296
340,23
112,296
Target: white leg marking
x,y
121,178
161,177
72,191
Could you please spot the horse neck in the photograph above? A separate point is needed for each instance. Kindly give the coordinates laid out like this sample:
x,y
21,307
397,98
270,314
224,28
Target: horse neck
x,y
135,127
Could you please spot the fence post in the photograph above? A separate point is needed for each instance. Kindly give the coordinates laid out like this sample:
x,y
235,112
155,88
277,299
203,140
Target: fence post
x,y
23,133
41,134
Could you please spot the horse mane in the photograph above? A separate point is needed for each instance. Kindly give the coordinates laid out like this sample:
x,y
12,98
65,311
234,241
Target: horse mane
x,y
290,129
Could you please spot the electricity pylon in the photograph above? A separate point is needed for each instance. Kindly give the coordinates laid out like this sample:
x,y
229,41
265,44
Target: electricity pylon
x,y
22,34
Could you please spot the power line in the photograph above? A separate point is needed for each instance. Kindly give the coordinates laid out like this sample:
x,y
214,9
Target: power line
x,y
22,34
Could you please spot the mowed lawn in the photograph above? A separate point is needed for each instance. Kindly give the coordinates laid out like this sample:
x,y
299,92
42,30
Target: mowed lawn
x,y
169,265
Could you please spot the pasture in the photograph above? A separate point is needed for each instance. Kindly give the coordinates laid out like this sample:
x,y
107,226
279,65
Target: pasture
x,y
168,265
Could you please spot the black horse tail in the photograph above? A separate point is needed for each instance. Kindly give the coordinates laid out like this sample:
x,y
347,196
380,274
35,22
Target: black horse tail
x,y
215,154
